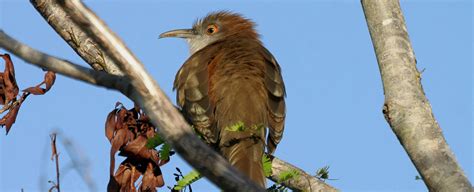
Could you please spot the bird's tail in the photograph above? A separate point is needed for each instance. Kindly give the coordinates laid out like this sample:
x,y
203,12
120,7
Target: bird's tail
x,y
246,154
241,119
243,146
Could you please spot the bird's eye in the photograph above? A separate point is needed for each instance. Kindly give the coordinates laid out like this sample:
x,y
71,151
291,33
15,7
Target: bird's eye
x,y
211,29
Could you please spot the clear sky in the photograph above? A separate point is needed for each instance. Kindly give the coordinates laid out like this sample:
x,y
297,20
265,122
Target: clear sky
x,y
333,85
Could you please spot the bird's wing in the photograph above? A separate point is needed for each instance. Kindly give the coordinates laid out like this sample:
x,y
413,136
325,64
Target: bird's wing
x,y
191,83
276,100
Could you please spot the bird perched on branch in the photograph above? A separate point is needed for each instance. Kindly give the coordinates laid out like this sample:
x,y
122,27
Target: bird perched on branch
x,y
231,90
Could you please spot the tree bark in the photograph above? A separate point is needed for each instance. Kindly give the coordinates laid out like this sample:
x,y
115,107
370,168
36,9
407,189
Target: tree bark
x,y
82,44
406,107
302,182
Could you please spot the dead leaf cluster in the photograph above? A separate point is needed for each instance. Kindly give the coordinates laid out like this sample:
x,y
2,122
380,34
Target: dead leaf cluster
x,y
9,92
128,131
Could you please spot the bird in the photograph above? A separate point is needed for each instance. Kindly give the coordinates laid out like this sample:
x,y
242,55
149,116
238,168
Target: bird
x,y
231,90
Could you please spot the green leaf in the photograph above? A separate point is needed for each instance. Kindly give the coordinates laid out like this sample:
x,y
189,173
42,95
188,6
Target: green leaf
x,y
287,175
323,173
188,179
267,165
165,151
154,142
238,127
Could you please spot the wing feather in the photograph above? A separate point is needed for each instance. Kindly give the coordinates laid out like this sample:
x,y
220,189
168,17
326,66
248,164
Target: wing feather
x,y
276,100
192,86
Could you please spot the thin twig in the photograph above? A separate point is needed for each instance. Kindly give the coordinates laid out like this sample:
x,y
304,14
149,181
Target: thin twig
x,y
79,161
55,156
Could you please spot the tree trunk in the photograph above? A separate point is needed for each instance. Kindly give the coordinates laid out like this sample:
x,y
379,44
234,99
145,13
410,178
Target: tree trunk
x,y
406,107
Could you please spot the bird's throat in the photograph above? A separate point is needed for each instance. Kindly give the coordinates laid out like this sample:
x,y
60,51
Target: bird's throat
x,y
197,43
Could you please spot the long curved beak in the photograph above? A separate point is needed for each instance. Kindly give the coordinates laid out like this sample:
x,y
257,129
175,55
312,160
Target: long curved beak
x,y
181,33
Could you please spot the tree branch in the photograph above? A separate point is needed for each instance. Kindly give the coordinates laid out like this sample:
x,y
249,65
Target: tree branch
x,y
82,44
303,182
64,67
406,107
55,157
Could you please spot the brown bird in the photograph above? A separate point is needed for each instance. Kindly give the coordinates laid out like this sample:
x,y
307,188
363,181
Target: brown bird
x,y
231,90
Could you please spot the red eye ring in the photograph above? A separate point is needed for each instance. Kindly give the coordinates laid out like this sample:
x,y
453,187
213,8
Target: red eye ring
x,y
211,29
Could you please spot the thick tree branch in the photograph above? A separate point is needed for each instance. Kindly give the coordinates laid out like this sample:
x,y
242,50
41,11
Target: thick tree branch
x,y
406,107
84,46
303,182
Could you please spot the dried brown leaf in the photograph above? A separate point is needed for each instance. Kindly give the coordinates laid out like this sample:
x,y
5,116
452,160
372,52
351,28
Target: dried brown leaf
x,y
126,176
9,119
10,88
121,119
110,124
128,131
151,154
123,177
49,79
9,92
120,138
135,146
134,112
35,90
152,178
150,130
2,90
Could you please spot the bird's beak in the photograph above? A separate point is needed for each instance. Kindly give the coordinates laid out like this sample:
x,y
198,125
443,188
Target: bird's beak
x,y
181,33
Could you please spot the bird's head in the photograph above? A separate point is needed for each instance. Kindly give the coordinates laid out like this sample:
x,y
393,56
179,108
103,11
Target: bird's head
x,y
214,27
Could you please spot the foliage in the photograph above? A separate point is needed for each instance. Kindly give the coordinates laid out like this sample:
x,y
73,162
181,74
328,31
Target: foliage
x,y
154,142
186,180
131,132
283,177
267,165
323,173
165,152
237,127
9,92
193,176
287,175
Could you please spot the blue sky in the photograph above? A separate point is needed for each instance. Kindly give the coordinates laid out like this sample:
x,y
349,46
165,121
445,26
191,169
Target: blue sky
x,y
333,85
